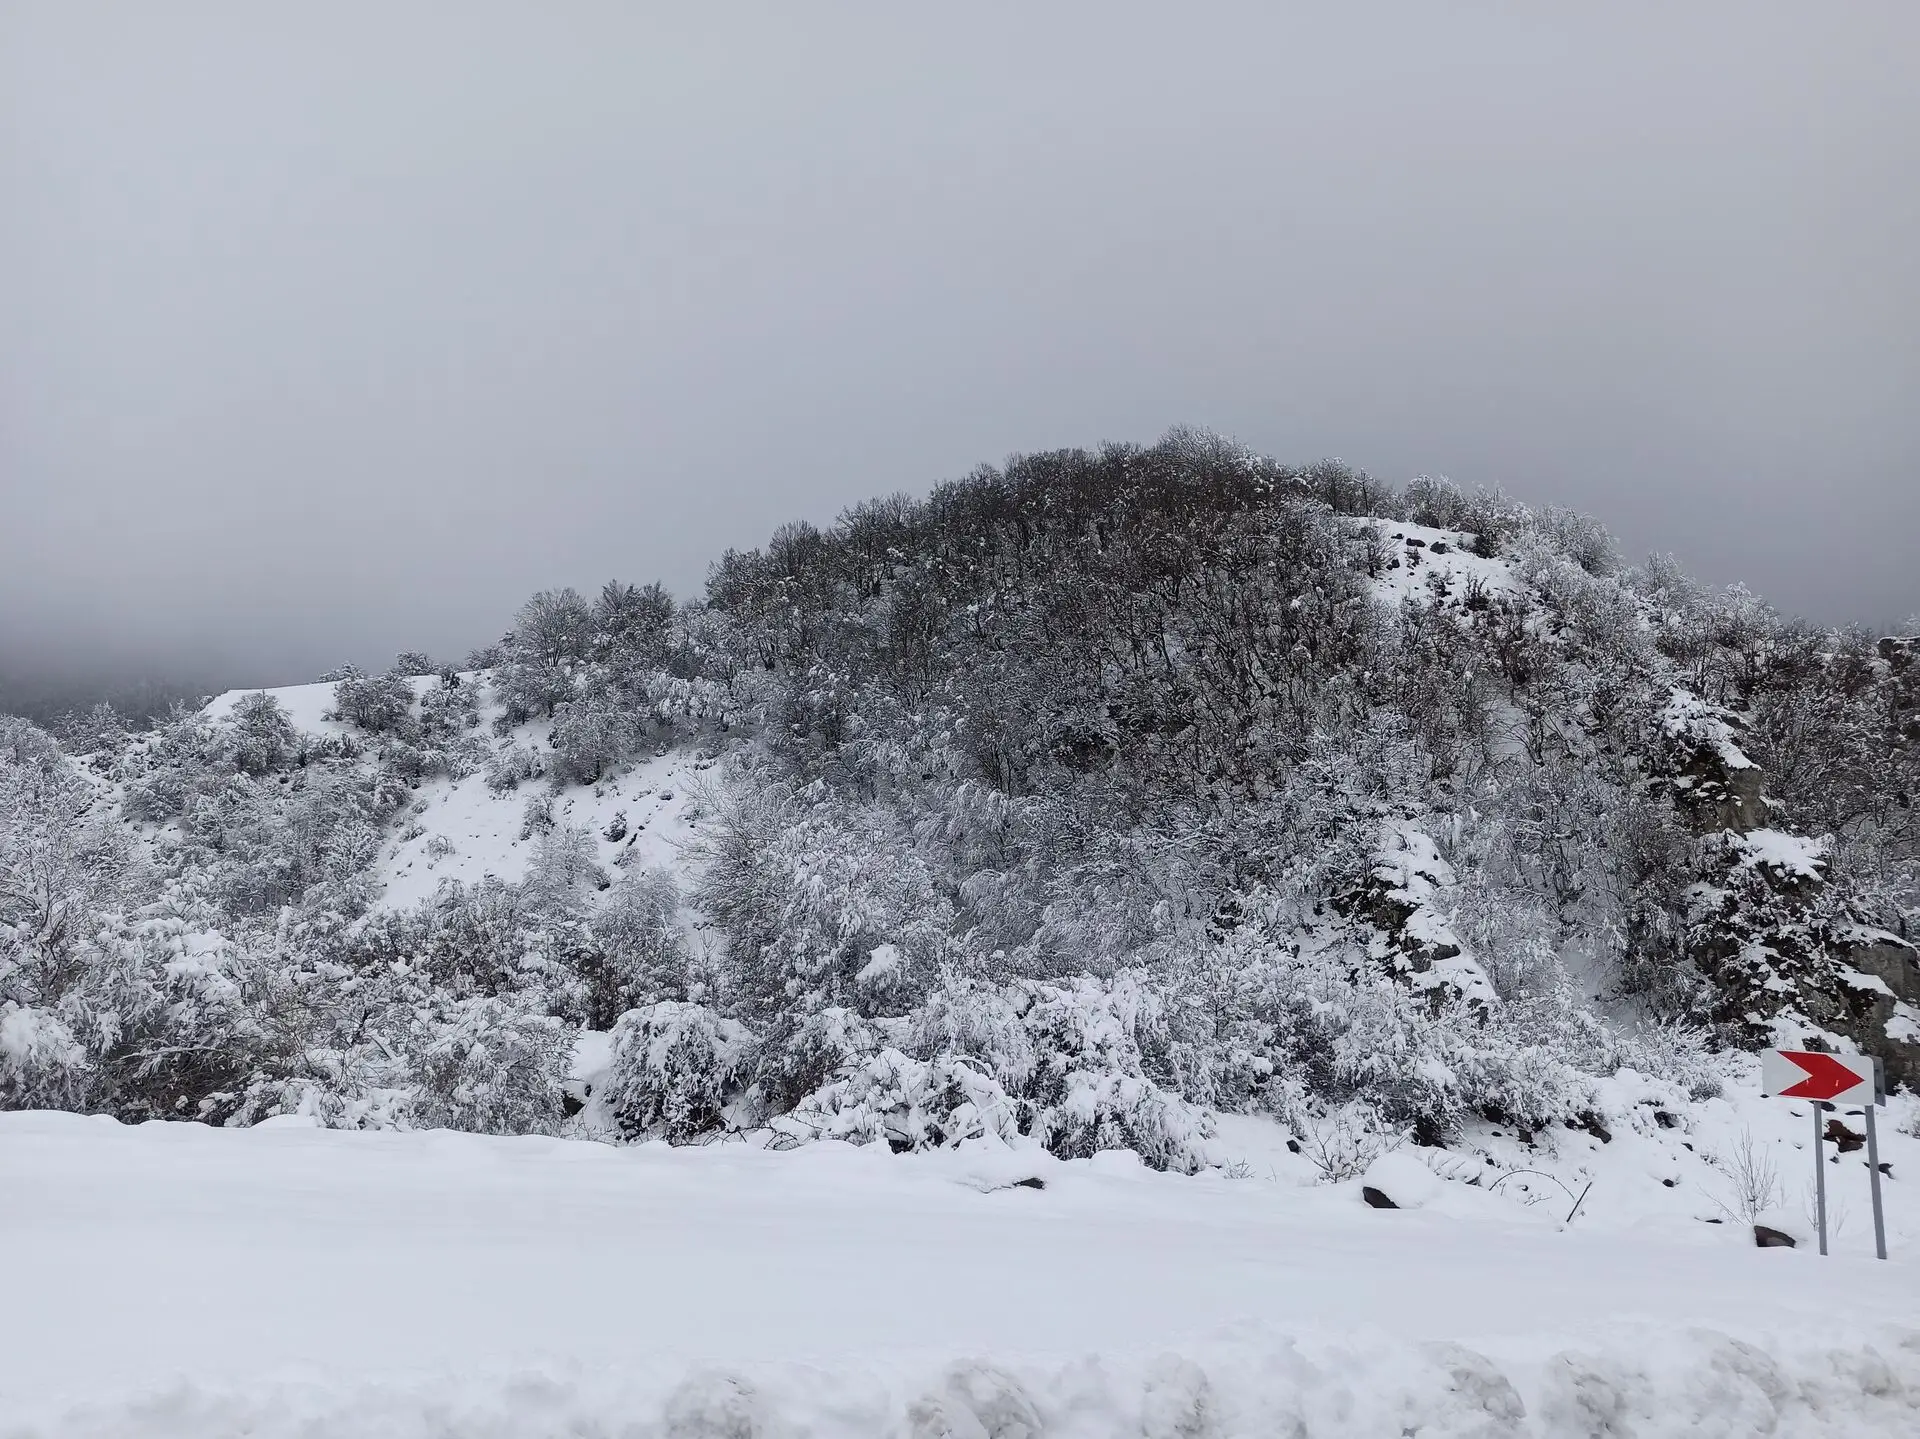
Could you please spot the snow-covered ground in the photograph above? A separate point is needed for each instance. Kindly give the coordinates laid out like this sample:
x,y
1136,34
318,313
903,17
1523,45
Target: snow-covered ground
x,y
461,830
171,1279
481,830
1420,557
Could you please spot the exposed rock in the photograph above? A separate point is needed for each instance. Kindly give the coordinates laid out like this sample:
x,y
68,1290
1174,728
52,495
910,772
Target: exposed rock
x,y
1843,1138
1715,786
1789,960
1398,1180
1590,1122
1409,937
1879,976
1769,1238
1886,957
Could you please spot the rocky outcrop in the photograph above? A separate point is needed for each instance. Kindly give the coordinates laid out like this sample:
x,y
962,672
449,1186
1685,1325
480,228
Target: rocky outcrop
x,y
1880,978
1788,958
1406,934
1715,786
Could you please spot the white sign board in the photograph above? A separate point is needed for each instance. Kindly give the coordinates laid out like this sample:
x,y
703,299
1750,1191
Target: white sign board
x,y
1813,1074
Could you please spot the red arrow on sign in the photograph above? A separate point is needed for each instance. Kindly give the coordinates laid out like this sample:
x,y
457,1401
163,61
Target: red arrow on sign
x,y
1826,1076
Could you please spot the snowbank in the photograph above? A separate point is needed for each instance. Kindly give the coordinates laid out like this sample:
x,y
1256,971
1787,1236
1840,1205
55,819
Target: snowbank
x,y
1650,1384
289,1280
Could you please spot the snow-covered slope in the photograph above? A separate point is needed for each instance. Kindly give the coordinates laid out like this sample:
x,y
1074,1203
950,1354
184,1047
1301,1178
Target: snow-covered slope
x,y
308,707
459,829
1421,562
478,832
286,1280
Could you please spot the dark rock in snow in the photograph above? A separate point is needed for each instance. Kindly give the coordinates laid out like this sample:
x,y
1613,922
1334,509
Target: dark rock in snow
x,y
1590,1122
1376,1198
1766,1238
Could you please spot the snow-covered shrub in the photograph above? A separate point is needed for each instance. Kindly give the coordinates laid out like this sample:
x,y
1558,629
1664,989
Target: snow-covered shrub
x,y
42,1066
1581,538
674,1069
979,1022
1105,1110
552,635
536,816
909,1104
489,1067
508,767
1310,1020
1061,1063
637,956
377,704
340,1104
409,763
99,729
563,869
803,1053
590,737
1342,1143
263,736
165,1012
449,708
808,889
467,940
60,858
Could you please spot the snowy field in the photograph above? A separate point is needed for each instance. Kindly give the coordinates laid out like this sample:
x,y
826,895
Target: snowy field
x,y
183,1281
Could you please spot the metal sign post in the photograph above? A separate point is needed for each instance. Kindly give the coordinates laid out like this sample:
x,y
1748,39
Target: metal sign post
x,y
1820,1168
1826,1080
1873,1159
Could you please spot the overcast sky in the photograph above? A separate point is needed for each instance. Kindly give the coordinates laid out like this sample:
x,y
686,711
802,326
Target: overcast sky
x,y
331,330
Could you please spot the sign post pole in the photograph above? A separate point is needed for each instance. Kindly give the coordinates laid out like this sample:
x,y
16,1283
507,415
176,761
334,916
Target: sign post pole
x,y
1873,1168
1820,1171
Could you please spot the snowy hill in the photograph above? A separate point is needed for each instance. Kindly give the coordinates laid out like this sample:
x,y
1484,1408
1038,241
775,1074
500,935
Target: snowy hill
x,y
1210,840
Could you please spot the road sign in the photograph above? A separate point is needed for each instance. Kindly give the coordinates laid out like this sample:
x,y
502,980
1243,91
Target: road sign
x,y
1812,1074
1828,1080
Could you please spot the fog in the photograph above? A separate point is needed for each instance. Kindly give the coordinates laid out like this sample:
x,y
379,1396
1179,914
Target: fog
x,y
329,333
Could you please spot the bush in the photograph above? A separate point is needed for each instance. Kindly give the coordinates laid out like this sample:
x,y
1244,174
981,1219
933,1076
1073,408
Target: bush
x,y
449,708
507,768
488,1067
909,1104
377,704
639,958
1059,1063
263,736
674,1069
803,1054
590,737
42,1066
1106,1110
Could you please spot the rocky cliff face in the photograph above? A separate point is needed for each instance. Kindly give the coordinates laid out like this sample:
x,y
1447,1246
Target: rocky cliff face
x,y
1790,961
